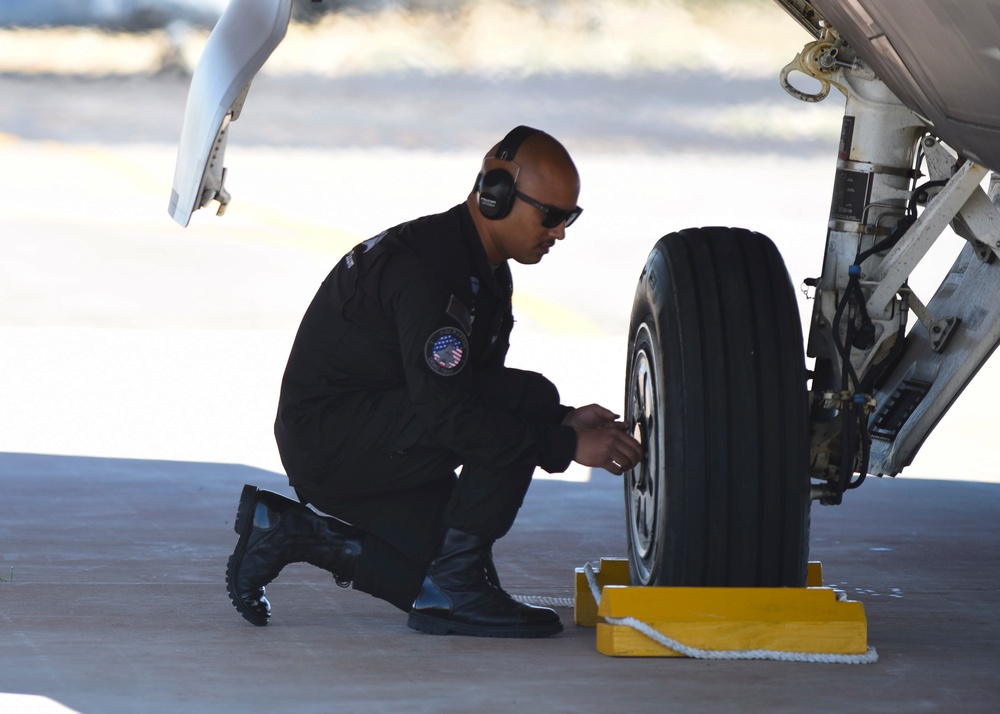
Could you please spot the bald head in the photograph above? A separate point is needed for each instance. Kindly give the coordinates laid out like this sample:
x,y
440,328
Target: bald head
x,y
525,196
539,159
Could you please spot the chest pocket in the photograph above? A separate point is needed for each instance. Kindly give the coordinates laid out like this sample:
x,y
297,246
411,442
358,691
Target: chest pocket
x,y
489,332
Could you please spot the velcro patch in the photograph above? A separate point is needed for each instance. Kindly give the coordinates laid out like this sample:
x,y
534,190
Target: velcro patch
x,y
461,314
446,351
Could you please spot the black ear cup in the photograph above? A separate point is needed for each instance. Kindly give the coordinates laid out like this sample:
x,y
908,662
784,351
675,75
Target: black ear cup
x,y
496,194
496,186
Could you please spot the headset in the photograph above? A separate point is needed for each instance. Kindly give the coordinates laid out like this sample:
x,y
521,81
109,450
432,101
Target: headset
x,y
495,187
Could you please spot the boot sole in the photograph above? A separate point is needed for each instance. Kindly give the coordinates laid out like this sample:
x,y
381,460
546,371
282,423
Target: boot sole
x,y
437,626
243,525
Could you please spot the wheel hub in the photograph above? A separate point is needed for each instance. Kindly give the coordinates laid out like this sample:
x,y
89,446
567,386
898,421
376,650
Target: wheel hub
x,y
643,497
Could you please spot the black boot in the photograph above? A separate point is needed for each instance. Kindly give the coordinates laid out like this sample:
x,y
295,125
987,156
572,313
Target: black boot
x,y
275,531
458,597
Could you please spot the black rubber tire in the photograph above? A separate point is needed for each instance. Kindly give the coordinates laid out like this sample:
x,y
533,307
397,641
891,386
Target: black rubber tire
x,y
716,391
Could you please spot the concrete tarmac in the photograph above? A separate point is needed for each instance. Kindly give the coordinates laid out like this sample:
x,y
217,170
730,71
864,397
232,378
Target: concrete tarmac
x,y
118,605
139,366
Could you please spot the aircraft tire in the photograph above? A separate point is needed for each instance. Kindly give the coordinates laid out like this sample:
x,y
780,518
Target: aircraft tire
x,y
716,391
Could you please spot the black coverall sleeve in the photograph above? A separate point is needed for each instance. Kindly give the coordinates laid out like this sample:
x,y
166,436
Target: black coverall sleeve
x,y
445,399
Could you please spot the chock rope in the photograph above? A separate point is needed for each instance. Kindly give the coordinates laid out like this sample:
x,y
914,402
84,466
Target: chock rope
x,y
545,601
870,657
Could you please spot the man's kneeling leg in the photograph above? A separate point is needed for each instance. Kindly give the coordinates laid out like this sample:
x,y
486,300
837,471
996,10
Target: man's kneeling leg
x,y
275,531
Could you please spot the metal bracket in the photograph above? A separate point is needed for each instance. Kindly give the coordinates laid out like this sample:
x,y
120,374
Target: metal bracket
x,y
968,293
900,261
938,330
978,221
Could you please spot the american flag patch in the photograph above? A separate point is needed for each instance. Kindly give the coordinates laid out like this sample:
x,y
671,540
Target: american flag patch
x,y
445,351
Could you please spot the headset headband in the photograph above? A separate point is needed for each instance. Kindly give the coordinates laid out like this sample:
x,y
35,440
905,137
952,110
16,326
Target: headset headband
x,y
512,142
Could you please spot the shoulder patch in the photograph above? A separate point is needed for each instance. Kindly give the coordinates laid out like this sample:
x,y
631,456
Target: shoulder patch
x,y
363,247
446,351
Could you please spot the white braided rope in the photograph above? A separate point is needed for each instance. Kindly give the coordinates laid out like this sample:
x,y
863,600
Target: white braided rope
x,y
545,601
869,657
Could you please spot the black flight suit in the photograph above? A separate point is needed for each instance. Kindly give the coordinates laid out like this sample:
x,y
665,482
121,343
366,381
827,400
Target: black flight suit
x,y
397,377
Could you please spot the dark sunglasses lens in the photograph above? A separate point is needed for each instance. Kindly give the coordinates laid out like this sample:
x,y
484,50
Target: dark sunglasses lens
x,y
554,216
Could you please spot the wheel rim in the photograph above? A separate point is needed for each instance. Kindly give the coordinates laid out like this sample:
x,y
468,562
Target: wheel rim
x,y
642,483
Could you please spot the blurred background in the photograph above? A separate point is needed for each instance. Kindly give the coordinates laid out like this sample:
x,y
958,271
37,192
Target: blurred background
x,y
124,335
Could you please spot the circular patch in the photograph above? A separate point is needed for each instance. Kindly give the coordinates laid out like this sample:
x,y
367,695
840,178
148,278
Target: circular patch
x,y
446,350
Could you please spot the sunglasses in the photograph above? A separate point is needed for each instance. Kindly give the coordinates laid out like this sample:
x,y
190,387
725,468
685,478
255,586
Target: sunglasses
x,y
551,216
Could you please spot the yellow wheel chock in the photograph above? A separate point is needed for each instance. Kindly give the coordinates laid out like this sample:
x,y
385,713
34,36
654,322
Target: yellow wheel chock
x,y
723,623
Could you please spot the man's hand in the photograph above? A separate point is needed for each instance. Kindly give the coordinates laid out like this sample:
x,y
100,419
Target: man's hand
x,y
601,441
592,416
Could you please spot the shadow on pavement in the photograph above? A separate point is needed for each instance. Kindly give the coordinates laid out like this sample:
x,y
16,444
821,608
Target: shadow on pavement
x,y
118,605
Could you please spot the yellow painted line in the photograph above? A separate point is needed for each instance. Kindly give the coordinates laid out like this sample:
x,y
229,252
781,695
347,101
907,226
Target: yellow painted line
x,y
252,222
554,317
138,175
297,233
286,229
